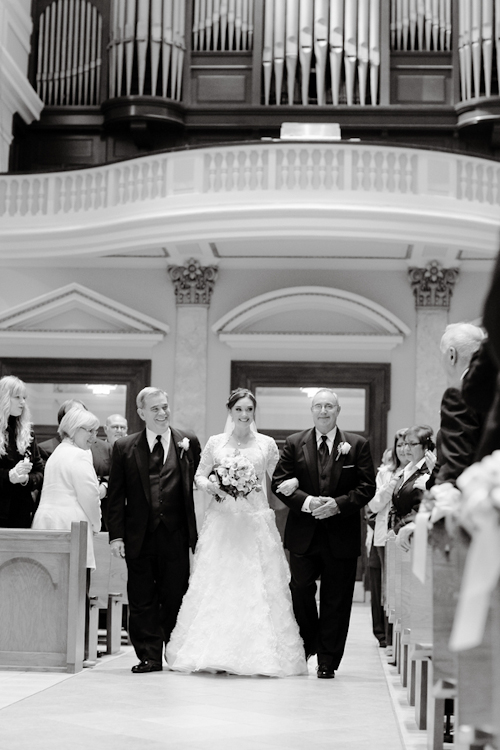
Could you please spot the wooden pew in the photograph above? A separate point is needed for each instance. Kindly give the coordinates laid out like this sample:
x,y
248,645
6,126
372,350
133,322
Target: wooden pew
x,y
495,626
117,600
445,588
42,590
475,684
390,585
398,557
107,587
420,642
405,615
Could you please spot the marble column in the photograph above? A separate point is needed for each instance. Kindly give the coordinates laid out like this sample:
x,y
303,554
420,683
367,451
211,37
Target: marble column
x,y
432,287
193,289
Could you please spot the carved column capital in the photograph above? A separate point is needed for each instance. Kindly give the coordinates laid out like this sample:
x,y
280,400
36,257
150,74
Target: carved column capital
x,y
193,282
433,285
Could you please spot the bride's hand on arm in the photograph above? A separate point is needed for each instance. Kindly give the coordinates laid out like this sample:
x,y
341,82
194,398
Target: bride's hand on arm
x,y
288,486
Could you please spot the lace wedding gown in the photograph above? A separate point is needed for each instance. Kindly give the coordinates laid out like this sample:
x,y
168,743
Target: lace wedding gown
x,y
237,613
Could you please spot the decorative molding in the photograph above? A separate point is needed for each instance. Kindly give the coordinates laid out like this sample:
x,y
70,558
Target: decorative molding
x,y
318,298
433,285
384,330
343,191
332,342
193,282
96,319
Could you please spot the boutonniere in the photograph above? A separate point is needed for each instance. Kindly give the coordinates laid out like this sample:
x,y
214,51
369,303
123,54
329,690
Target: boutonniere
x,y
183,445
342,449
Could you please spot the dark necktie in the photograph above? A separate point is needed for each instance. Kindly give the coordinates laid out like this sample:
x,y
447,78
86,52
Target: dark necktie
x,y
158,454
323,452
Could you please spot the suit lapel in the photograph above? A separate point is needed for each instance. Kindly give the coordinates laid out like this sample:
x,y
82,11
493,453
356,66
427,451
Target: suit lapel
x,y
183,463
141,453
311,457
337,461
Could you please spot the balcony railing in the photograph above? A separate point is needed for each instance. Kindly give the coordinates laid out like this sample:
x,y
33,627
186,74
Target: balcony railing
x,y
343,169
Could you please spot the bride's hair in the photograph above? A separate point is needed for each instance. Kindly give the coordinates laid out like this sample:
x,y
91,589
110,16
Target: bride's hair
x,y
239,393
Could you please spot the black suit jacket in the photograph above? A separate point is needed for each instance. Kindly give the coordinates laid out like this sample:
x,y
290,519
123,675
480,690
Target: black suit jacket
x,y
458,437
129,489
352,484
406,499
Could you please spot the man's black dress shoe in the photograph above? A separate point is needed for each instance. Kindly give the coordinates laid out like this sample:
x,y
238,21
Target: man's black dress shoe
x,y
325,672
147,666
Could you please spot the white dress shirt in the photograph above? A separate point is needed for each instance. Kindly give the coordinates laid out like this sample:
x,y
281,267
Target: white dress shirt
x,y
165,441
330,437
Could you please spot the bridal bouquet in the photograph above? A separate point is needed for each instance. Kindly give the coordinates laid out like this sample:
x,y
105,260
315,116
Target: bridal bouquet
x,y
236,476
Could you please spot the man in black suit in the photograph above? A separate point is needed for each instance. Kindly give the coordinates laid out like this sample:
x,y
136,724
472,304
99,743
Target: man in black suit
x,y
335,473
151,522
460,429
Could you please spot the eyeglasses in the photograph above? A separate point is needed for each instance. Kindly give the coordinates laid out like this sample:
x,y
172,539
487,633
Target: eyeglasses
x,y
91,432
413,444
326,407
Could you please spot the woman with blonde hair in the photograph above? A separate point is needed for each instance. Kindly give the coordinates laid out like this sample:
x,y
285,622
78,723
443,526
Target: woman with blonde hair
x,y
70,490
21,467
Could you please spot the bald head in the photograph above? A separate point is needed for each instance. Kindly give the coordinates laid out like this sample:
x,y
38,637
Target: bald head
x,y
116,426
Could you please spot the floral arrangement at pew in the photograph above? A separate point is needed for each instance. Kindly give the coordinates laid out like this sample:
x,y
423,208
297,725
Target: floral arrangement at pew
x,y
479,514
480,485
236,476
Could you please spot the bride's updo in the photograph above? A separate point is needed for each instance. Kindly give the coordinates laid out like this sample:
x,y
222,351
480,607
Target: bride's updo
x,y
237,394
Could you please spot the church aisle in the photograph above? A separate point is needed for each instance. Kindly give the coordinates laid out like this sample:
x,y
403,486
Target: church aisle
x,y
109,708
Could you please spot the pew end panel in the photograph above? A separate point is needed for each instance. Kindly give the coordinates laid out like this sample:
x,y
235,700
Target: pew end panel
x,y
42,589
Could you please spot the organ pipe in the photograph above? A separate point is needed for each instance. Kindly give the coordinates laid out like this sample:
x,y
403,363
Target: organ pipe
x,y
279,46
292,45
350,49
320,46
69,53
336,46
267,49
345,33
306,11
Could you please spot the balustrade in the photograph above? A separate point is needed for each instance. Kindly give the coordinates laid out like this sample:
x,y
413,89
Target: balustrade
x,y
341,168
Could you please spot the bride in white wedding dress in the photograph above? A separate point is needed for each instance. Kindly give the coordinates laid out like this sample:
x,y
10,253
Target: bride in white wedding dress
x,y
237,614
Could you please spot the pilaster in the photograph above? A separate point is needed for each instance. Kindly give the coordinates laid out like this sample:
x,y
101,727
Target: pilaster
x,y
193,290
433,288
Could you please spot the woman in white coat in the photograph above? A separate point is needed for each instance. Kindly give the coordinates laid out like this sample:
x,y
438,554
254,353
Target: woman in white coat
x,y
70,489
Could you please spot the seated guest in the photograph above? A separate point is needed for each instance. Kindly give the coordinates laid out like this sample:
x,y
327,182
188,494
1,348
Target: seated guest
x,y
70,490
388,475
416,476
461,425
21,467
100,449
116,426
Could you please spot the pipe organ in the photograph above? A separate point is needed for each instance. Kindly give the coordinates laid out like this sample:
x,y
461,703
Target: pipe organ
x,y
422,25
324,52
479,48
146,48
224,25
69,53
327,51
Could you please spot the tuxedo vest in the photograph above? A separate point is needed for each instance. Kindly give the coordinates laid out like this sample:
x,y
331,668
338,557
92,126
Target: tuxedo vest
x,y
324,474
167,499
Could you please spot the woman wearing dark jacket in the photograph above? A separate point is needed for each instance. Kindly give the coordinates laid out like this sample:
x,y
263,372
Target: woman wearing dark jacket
x,y
21,467
416,476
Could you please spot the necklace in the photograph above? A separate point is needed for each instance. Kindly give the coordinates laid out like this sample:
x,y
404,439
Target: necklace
x,y
241,441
